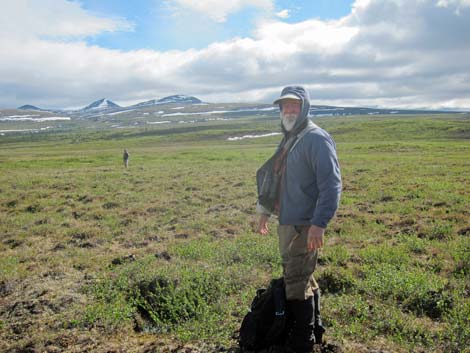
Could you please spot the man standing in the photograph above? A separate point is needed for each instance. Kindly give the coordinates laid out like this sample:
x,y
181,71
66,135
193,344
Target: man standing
x,y
125,158
301,184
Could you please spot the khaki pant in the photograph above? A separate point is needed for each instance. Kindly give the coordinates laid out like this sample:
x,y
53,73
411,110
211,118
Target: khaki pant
x,y
298,263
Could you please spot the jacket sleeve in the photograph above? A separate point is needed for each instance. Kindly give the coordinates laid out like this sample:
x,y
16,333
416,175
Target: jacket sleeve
x,y
328,178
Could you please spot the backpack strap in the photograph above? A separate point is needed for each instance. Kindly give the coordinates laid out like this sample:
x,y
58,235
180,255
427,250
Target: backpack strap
x,y
310,127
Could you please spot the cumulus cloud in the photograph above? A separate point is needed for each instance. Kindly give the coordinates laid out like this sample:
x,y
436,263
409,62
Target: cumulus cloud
x,y
393,53
219,10
56,18
457,3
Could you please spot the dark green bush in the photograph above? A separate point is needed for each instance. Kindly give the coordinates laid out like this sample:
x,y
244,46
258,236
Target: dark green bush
x,y
166,302
336,280
431,303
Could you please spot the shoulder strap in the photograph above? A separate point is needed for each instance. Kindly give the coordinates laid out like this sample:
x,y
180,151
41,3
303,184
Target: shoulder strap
x,y
310,126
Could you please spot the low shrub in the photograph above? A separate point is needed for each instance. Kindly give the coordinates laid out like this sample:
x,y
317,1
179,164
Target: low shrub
x,y
416,291
166,301
396,255
432,303
336,280
440,231
458,333
336,255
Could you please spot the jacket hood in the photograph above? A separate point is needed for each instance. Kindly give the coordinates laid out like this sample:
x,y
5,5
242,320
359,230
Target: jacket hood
x,y
301,93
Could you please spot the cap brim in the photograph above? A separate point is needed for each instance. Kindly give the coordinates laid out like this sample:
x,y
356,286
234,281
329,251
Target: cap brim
x,y
286,96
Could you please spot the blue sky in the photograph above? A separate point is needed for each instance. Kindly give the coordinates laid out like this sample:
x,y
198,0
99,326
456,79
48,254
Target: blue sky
x,y
385,53
156,25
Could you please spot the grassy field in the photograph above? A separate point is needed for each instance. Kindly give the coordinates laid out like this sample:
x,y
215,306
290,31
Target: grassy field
x,y
162,257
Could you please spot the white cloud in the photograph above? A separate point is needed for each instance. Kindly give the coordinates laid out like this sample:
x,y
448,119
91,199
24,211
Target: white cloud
x,y
283,14
458,3
219,10
310,34
387,53
57,18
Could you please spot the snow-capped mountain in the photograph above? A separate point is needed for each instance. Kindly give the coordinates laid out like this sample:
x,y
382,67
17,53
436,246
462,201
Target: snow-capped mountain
x,y
180,99
101,104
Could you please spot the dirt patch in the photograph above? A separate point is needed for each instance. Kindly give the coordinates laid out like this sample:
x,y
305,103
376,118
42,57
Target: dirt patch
x,y
42,221
464,231
6,288
54,274
29,347
13,243
110,205
33,208
181,236
12,203
58,247
123,259
386,198
82,240
328,348
24,309
163,255
85,199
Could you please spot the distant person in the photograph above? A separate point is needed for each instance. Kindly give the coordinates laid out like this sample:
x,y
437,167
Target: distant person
x,y
301,185
125,158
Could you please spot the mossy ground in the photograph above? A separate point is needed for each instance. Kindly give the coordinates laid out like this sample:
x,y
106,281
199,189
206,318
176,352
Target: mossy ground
x,y
81,238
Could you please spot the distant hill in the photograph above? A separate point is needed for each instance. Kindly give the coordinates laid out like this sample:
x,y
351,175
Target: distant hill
x,y
101,104
180,99
28,107
327,110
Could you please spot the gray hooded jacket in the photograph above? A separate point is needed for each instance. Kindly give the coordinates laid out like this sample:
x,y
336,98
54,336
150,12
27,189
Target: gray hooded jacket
x,y
311,186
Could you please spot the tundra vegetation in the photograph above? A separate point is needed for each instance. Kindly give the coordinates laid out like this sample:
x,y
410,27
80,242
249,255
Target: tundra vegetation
x,y
162,256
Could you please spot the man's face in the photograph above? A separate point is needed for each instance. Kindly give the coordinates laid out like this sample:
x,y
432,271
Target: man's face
x,y
290,111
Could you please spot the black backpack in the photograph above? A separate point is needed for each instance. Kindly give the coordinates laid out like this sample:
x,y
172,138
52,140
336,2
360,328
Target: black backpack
x,y
265,323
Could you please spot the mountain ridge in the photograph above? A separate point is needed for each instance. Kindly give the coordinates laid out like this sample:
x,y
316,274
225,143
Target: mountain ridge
x,y
178,98
28,107
104,105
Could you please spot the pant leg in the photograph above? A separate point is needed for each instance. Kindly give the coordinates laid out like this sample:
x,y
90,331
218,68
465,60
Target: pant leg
x,y
298,263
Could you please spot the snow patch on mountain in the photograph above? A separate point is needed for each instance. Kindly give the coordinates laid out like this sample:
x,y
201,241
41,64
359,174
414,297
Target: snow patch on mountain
x,y
122,112
179,98
101,104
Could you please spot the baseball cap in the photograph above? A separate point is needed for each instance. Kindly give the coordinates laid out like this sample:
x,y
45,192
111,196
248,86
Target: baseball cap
x,y
287,96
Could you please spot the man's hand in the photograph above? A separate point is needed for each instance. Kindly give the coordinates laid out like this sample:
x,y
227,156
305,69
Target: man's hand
x,y
263,224
315,237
